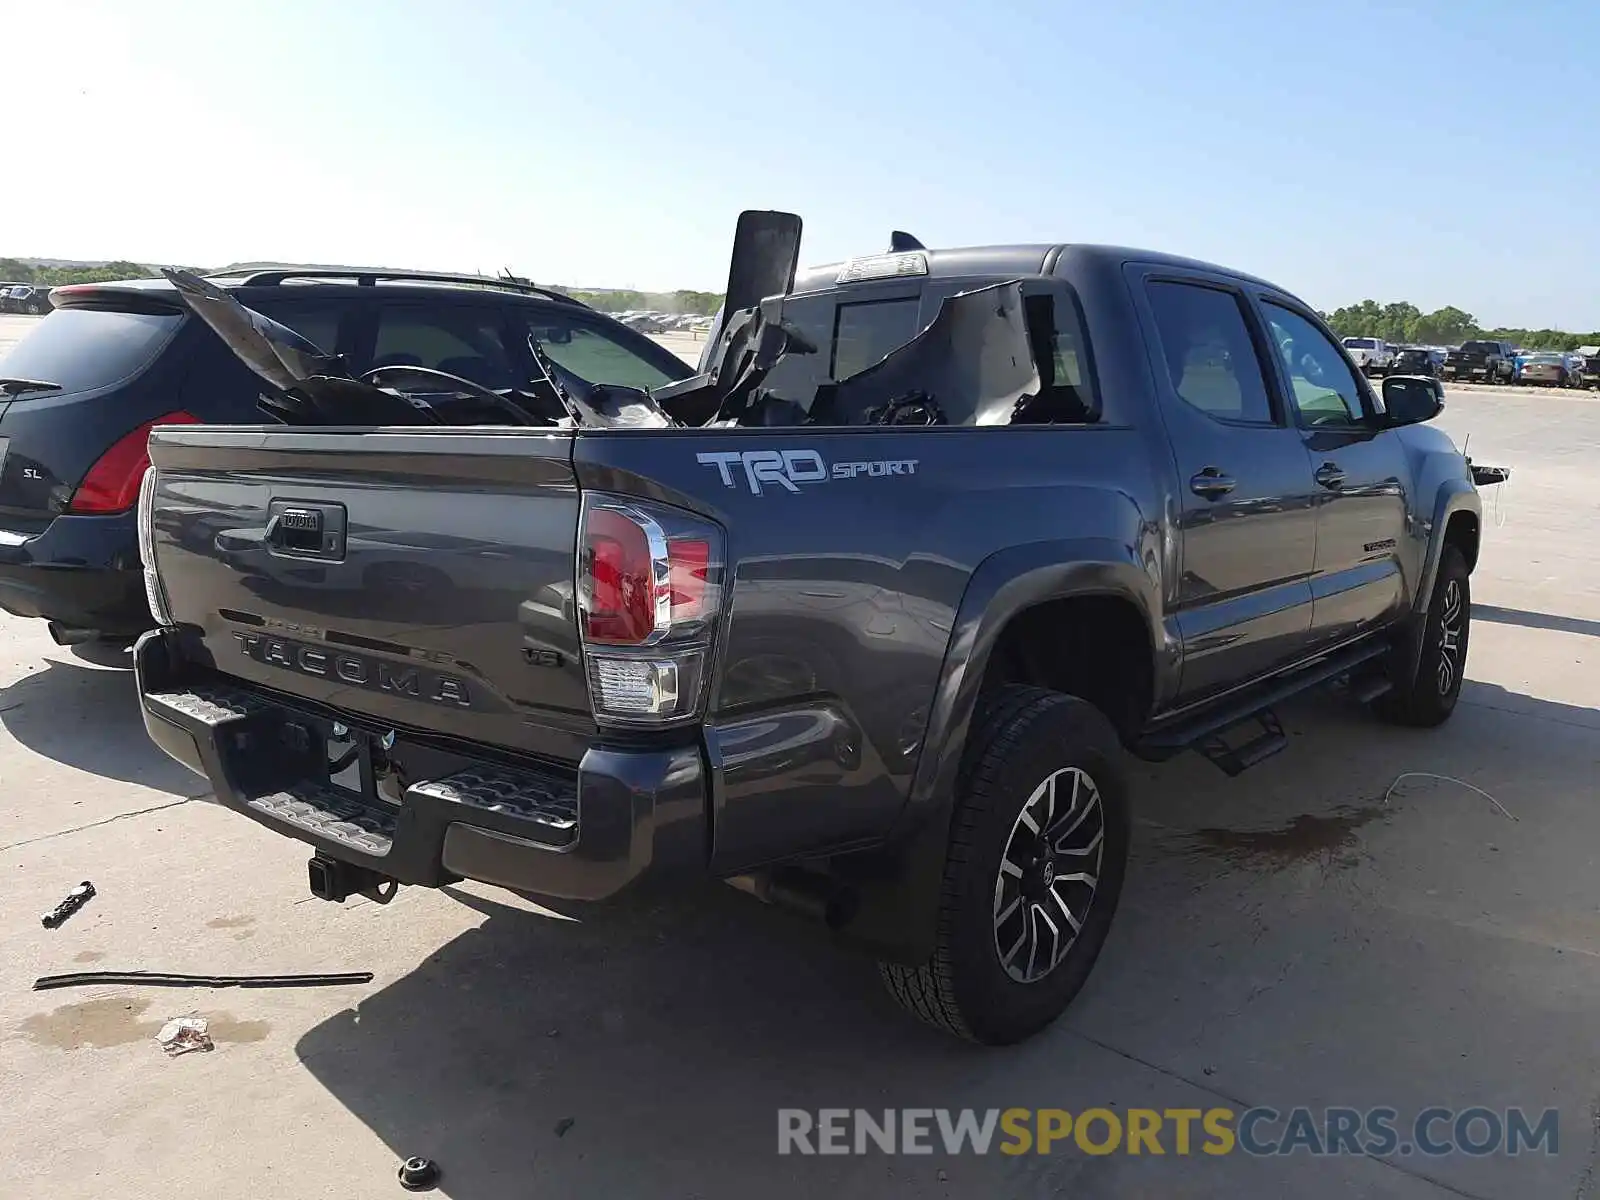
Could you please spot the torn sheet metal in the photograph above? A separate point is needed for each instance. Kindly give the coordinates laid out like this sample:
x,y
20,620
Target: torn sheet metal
x,y
311,386
972,365
599,405
273,351
316,388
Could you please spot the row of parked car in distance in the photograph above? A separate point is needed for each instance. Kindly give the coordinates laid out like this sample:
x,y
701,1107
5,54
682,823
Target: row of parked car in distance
x,y
24,298
658,322
1482,360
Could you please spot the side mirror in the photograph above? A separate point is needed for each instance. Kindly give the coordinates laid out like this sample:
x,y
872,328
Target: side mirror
x,y
1412,399
558,335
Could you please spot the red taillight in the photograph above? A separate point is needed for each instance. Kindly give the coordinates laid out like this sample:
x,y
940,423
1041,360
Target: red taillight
x,y
641,581
112,484
621,609
649,590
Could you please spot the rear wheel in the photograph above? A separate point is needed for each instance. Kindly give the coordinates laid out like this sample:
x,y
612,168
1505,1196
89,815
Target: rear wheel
x,y
1429,696
1038,849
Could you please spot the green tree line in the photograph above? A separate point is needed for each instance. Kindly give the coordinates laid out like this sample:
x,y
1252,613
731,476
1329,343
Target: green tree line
x,y
1449,326
684,300
13,271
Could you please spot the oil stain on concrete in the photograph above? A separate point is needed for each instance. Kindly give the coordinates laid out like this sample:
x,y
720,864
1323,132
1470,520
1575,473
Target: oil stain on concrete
x,y
230,922
117,1021
87,956
1327,839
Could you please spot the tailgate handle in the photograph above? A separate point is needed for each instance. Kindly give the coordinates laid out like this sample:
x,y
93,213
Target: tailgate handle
x,y
298,529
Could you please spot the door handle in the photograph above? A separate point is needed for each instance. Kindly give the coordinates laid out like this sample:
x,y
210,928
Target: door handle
x,y
1212,483
1329,475
312,530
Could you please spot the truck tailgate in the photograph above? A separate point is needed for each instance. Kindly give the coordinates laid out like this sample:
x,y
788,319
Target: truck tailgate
x,y
423,579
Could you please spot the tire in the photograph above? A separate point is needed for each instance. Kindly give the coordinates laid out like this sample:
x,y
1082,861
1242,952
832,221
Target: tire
x,y
973,987
1429,697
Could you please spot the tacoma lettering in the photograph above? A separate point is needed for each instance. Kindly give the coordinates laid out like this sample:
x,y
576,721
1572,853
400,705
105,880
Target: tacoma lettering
x,y
413,682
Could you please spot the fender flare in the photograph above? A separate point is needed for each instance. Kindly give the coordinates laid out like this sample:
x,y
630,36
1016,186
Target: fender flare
x,y
897,887
1454,496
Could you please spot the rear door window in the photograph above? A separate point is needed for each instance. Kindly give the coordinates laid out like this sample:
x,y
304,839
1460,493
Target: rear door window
x,y
1206,347
318,321
466,341
82,349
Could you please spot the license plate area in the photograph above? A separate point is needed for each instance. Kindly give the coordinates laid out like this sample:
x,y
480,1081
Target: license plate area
x,y
349,759
353,761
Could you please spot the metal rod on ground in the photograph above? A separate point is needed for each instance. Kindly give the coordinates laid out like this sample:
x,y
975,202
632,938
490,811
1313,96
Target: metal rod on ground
x,y
47,983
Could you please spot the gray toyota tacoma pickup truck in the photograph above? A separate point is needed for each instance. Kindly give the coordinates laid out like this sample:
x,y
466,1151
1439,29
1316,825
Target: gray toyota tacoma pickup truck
x,y
862,617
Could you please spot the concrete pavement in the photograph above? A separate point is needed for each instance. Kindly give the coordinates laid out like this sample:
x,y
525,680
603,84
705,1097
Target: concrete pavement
x,y
1287,938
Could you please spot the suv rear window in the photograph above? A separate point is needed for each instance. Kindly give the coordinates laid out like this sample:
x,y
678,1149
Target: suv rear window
x,y
1481,347
86,348
1360,343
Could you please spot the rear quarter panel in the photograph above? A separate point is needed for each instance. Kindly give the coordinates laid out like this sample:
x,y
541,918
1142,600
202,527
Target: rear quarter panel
x,y
845,590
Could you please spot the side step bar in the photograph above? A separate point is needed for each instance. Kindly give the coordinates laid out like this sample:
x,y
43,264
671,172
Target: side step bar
x,y
1234,760
1207,731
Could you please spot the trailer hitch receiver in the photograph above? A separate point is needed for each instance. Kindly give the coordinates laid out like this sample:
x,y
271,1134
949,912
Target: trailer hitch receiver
x,y
334,879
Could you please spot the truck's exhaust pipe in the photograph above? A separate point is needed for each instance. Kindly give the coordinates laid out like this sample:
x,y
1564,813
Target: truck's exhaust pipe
x,y
809,894
64,635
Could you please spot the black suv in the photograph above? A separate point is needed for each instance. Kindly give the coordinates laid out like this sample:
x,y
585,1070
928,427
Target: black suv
x,y
26,298
1414,360
79,395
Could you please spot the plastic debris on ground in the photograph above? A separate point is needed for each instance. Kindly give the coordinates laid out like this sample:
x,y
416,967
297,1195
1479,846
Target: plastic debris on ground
x,y
184,1035
76,899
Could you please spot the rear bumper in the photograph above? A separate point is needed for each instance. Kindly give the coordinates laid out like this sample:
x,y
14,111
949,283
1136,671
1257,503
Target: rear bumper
x,y
80,571
534,827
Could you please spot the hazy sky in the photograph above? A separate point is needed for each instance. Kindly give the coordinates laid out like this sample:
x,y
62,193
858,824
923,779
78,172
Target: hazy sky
x,y
1445,154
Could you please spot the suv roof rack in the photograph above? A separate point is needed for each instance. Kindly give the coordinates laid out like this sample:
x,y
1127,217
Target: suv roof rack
x,y
364,278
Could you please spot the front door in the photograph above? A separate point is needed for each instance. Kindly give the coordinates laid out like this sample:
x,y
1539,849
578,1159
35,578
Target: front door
x,y
1243,597
1361,479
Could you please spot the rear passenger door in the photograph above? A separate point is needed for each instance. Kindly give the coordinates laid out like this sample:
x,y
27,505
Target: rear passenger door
x,y
1248,526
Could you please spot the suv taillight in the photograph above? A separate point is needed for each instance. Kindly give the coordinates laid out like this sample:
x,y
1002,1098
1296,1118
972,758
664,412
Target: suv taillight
x,y
112,484
649,594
